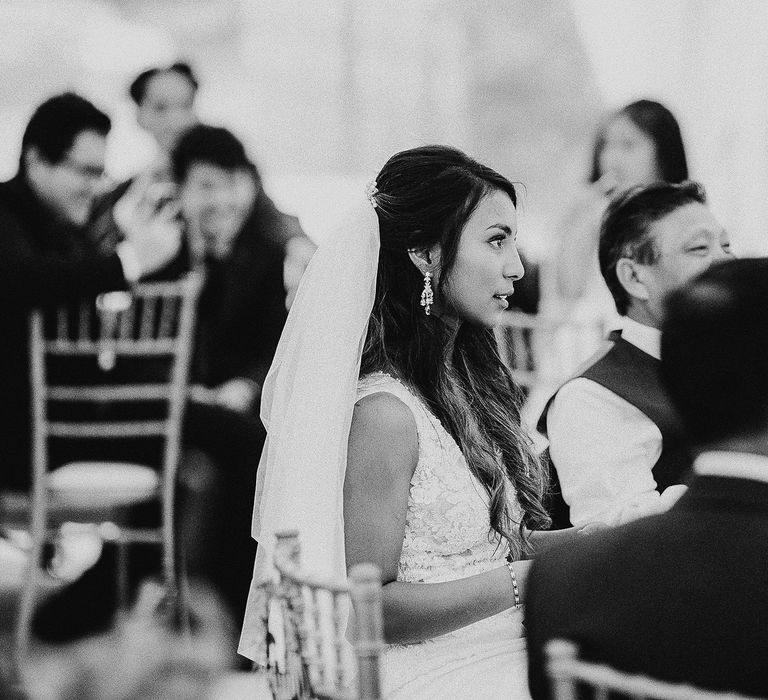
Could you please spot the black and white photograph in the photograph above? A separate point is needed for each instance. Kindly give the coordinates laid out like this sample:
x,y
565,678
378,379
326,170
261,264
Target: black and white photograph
x,y
383,350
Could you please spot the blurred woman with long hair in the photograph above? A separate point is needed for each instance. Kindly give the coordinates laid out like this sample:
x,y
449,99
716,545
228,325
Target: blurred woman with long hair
x,y
639,144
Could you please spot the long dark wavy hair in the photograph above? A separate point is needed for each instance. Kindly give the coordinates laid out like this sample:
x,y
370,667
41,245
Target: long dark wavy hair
x,y
425,197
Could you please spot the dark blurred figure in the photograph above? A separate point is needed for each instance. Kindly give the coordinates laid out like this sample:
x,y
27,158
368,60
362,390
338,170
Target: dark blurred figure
x,y
46,257
236,234
683,596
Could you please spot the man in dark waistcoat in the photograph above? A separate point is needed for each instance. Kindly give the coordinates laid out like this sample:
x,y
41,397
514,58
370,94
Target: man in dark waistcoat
x,y
683,595
615,440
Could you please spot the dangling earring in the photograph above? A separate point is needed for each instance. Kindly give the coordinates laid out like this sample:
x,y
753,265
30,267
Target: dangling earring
x,y
426,294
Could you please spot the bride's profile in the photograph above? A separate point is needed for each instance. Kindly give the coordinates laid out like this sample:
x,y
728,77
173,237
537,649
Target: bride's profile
x,y
394,431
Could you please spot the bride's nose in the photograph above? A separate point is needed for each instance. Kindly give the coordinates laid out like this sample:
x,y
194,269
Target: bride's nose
x,y
513,265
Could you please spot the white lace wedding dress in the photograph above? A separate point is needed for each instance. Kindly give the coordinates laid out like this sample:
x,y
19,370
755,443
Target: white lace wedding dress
x,y
446,538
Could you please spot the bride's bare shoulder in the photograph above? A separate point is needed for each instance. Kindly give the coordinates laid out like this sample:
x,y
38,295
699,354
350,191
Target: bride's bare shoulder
x,y
384,411
383,426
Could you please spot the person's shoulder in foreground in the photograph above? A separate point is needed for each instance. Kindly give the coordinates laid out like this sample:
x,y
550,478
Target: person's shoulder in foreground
x,y
682,596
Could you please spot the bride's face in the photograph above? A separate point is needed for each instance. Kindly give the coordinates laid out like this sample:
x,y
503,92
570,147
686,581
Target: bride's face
x,y
487,263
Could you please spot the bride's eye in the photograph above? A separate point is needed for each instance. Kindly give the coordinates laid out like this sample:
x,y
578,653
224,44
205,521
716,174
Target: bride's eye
x,y
497,241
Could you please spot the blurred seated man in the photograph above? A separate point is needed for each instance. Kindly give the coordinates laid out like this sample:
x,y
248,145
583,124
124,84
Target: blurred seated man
x,y
682,595
46,257
236,234
615,440
165,109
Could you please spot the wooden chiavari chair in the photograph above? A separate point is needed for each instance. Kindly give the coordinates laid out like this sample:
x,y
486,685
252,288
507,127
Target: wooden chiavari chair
x,y
572,678
316,660
114,371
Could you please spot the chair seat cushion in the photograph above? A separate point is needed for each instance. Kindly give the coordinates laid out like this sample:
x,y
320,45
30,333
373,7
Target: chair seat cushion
x,y
103,484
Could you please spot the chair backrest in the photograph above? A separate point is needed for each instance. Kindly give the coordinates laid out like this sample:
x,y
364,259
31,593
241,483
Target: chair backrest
x,y
318,660
572,678
113,370
542,350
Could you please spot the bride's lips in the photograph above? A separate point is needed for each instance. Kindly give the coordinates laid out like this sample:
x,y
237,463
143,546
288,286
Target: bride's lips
x,y
502,298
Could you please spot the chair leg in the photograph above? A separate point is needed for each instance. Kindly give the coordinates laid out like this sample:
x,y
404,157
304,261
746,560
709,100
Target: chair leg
x,y
26,608
122,572
181,586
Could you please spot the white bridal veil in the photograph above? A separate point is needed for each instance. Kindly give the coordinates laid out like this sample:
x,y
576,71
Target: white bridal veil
x,y
306,406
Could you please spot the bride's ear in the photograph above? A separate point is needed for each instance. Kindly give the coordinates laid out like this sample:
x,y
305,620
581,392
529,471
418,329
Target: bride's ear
x,y
425,259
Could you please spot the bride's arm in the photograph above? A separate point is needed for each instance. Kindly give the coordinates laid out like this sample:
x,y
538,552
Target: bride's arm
x,y
417,611
383,452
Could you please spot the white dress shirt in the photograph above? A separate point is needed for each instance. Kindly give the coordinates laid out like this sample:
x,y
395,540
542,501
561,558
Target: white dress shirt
x,y
605,448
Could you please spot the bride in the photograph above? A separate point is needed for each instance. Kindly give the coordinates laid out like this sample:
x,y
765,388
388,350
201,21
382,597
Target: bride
x,y
394,431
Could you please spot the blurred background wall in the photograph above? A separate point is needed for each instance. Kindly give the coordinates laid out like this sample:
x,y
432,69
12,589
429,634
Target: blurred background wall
x,y
323,91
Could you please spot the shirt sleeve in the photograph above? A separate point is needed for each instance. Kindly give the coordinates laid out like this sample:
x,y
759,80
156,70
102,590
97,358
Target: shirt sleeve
x,y
130,262
604,450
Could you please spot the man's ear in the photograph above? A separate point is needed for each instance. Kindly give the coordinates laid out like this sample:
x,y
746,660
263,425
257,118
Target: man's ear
x,y
630,275
425,259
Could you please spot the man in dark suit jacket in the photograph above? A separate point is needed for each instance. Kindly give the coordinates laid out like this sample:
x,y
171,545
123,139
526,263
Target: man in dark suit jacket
x,y
683,596
238,236
45,254
614,439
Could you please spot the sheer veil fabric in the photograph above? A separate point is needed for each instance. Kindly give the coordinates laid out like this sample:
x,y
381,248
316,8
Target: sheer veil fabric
x,y
306,406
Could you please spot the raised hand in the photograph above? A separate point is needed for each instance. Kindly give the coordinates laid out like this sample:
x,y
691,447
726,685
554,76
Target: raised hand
x,y
147,214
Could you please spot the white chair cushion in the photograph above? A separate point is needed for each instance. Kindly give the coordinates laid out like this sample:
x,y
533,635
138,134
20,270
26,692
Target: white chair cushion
x,y
103,484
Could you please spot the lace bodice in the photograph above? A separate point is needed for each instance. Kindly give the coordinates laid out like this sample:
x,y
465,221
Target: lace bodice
x,y
447,531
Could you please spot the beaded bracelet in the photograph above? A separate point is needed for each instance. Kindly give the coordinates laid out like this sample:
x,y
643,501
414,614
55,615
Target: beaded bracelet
x,y
515,590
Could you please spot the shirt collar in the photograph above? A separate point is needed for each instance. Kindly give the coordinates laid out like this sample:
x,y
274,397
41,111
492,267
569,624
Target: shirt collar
x,y
646,338
741,465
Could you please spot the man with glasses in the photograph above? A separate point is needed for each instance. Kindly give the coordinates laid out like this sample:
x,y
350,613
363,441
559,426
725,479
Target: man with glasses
x,y
46,254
